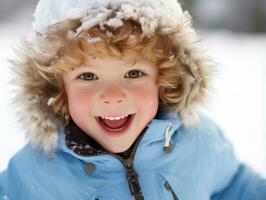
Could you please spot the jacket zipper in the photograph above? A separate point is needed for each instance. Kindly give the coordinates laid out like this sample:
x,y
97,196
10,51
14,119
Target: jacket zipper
x,y
132,175
170,189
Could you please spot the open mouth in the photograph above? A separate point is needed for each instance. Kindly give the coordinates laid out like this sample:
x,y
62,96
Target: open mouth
x,y
115,125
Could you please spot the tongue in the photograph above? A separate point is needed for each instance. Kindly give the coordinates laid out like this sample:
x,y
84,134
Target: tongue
x,y
115,124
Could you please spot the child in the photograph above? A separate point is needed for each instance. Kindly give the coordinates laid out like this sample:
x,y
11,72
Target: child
x,y
109,93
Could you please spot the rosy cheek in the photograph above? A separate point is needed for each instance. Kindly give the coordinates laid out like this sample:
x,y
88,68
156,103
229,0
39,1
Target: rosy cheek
x,y
79,102
147,99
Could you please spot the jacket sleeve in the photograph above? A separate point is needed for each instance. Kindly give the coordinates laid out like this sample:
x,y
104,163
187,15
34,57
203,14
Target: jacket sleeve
x,y
232,180
3,184
245,185
12,178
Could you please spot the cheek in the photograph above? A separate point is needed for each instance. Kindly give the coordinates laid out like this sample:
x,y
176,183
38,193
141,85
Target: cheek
x,y
78,102
147,99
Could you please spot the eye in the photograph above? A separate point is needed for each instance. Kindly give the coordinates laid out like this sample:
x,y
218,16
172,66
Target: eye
x,y
134,74
88,76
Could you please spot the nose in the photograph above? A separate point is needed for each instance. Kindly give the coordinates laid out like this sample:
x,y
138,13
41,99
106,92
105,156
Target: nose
x,y
112,95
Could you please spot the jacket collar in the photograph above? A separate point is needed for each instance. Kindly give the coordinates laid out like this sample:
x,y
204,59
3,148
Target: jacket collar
x,y
158,126
155,131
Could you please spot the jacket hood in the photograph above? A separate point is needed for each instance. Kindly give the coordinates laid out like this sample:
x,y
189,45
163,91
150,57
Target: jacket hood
x,y
33,92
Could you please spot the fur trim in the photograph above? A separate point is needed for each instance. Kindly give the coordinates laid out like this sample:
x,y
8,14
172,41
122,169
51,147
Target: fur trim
x,y
33,93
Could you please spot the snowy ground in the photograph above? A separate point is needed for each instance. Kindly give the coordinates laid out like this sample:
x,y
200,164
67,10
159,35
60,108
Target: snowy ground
x,y
238,106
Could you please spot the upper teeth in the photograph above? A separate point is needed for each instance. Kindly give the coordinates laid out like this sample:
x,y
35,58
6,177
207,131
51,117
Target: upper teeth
x,y
114,118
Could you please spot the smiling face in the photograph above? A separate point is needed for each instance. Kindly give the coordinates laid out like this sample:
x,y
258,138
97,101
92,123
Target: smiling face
x,y
111,87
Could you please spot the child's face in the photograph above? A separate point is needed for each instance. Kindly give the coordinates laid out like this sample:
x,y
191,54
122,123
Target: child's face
x,y
109,87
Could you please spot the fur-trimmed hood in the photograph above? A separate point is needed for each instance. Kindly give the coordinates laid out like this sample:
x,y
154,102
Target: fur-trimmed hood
x,y
33,92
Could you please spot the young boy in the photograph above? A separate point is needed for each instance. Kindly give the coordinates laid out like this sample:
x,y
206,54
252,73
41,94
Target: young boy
x,y
109,93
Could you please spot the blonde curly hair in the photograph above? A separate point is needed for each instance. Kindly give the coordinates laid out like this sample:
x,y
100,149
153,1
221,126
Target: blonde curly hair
x,y
124,41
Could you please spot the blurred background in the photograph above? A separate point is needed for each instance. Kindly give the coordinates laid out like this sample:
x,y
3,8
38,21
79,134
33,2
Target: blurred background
x,y
234,35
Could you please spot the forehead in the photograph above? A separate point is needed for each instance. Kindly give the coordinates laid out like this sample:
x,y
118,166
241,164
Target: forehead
x,y
127,61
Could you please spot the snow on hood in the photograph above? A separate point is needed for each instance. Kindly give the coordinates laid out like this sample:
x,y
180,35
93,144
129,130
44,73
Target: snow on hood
x,y
40,123
150,13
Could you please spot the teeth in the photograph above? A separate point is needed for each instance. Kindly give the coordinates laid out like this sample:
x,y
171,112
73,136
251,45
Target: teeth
x,y
114,118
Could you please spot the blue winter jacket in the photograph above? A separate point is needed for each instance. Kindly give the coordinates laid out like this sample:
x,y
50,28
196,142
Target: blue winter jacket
x,y
197,163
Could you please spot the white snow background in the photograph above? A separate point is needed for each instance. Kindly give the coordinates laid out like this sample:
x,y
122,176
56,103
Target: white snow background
x,y
239,106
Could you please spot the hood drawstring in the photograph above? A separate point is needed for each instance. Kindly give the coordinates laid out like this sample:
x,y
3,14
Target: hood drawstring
x,y
167,145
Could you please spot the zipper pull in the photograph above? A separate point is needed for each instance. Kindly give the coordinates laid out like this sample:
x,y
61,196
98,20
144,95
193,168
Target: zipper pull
x,y
169,189
133,181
